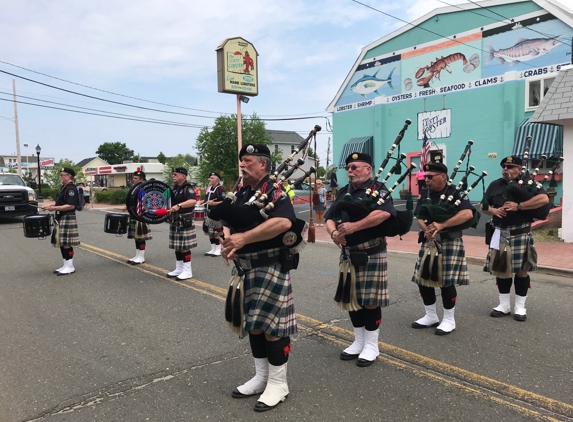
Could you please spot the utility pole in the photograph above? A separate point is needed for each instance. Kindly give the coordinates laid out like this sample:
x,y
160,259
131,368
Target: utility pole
x,y
18,159
328,155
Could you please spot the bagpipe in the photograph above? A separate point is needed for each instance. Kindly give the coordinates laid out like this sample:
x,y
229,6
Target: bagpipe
x,y
526,187
256,211
377,194
452,197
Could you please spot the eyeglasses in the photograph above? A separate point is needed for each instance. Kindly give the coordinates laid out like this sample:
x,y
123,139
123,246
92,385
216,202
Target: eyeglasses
x,y
505,166
353,167
430,176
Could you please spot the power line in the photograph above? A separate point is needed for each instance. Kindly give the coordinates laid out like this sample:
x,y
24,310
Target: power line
x,y
450,38
162,122
139,99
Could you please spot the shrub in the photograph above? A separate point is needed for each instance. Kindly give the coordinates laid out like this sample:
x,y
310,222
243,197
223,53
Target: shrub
x,y
112,196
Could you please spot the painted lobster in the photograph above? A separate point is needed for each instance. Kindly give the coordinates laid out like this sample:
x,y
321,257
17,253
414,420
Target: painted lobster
x,y
436,67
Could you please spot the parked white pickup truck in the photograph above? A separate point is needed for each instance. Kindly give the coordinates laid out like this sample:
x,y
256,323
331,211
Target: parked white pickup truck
x,y
15,197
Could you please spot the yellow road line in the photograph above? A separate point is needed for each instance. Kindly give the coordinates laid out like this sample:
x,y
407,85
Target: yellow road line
x,y
395,354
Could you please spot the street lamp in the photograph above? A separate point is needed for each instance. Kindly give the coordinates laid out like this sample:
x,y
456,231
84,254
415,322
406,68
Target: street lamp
x,y
38,150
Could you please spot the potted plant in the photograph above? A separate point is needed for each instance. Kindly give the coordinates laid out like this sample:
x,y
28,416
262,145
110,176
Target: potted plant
x,y
404,193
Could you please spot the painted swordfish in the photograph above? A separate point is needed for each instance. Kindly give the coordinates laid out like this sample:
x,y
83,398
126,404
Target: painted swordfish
x,y
523,50
368,84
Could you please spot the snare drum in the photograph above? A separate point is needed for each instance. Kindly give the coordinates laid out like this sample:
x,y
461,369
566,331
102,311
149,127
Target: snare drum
x,y
116,223
38,226
199,212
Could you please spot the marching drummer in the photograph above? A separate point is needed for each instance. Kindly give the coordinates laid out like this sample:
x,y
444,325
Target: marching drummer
x,y
364,254
138,230
182,235
65,236
214,195
508,216
451,260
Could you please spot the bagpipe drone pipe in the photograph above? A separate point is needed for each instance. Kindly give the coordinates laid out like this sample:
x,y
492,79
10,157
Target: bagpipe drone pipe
x,y
527,187
377,194
452,197
256,211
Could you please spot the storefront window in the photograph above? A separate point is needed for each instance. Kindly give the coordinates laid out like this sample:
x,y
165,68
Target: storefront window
x,y
536,90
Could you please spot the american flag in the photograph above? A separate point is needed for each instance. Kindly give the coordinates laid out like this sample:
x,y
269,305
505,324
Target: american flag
x,y
140,208
425,150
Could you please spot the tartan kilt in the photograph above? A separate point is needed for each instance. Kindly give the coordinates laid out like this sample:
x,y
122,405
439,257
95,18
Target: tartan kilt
x,y
454,264
372,278
181,238
268,303
518,244
68,231
131,230
214,234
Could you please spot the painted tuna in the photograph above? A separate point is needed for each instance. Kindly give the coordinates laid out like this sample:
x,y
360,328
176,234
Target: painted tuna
x,y
368,84
523,50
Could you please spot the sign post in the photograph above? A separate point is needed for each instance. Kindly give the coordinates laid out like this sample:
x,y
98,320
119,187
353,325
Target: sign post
x,y
237,73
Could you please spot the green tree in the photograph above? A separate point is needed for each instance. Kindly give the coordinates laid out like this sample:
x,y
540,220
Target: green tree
x,y
218,147
114,152
177,161
52,176
161,158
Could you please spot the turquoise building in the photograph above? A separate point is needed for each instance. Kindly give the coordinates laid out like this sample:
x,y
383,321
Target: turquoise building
x,y
476,71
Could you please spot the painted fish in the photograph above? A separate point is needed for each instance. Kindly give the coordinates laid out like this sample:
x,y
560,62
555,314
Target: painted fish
x,y
368,84
523,50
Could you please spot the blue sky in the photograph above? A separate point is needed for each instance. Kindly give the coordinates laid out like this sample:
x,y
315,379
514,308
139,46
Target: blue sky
x,y
163,51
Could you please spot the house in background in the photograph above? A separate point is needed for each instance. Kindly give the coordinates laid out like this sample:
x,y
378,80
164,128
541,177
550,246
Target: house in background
x,y
286,142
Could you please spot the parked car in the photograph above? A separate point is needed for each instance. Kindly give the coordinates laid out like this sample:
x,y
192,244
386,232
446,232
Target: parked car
x,y
15,197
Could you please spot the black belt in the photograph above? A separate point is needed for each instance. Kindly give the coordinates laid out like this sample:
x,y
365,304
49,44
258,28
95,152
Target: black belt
x,y
249,264
522,230
450,235
371,251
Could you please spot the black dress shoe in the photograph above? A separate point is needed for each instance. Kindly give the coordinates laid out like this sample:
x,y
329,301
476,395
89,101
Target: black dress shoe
x,y
208,254
61,274
519,317
442,332
238,395
136,263
364,363
496,314
416,325
348,356
261,407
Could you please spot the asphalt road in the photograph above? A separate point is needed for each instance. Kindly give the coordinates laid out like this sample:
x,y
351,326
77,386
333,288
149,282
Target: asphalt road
x,y
114,342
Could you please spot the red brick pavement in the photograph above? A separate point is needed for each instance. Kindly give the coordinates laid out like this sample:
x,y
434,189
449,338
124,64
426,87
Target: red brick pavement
x,y
552,256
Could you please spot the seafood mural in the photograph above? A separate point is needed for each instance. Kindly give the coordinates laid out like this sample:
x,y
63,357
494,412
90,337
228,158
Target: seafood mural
x,y
368,84
471,60
523,50
435,68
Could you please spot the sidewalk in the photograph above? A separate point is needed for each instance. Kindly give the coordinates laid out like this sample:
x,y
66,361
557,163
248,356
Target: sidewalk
x,y
553,257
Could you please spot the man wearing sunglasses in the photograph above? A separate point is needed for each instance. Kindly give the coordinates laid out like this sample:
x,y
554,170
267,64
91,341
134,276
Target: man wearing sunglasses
x,y
367,254
453,257
515,227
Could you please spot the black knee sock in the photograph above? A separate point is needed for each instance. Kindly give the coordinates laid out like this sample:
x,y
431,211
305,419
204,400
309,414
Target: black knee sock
x,y
357,318
449,296
186,256
258,345
140,245
428,294
372,318
521,285
67,253
179,256
503,285
278,351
